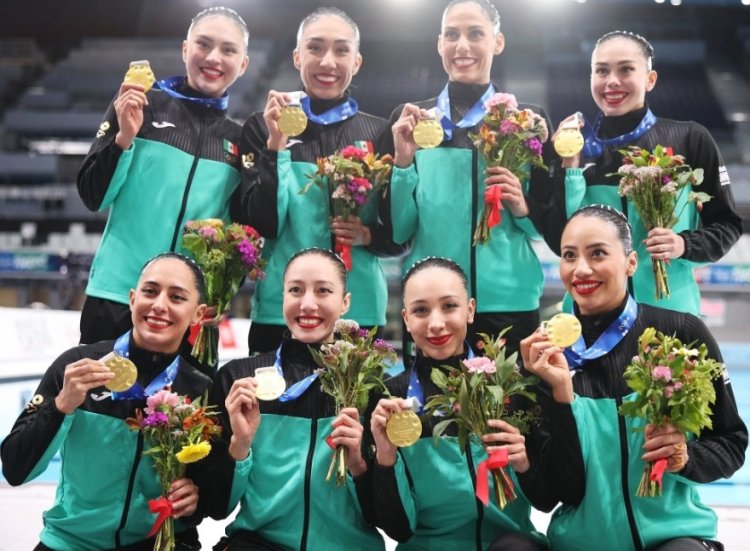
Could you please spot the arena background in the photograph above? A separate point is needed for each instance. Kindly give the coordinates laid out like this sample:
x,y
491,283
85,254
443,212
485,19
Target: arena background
x,y
61,63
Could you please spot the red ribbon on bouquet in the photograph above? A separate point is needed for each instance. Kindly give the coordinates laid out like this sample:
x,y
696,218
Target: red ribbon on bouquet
x,y
497,460
163,507
493,196
657,470
345,252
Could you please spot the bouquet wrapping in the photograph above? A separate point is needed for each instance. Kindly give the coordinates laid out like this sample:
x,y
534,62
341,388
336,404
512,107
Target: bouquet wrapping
x,y
653,182
508,137
177,432
226,255
674,384
351,367
481,390
349,177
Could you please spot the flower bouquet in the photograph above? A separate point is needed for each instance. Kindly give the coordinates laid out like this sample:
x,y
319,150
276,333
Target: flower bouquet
x,y
177,432
653,181
226,255
511,138
349,177
674,384
351,367
473,395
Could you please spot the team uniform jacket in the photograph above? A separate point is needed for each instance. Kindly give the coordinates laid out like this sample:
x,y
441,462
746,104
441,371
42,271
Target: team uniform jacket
x,y
183,165
708,234
105,483
427,499
610,512
271,200
281,488
437,201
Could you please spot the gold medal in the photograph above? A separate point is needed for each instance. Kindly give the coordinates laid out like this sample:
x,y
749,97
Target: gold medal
x,y
125,372
270,384
428,133
292,121
569,141
563,330
403,428
140,73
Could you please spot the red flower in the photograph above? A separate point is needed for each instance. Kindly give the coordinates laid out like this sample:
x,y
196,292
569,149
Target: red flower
x,y
351,152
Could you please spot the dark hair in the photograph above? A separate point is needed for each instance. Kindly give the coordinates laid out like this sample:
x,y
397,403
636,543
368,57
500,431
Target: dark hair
x,y
333,257
613,217
198,278
646,48
486,6
434,262
321,12
229,13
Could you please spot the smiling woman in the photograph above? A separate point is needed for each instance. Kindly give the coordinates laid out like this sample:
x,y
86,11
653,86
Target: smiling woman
x,y
144,161
327,58
80,409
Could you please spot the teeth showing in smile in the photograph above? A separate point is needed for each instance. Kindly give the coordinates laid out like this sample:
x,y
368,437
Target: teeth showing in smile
x,y
463,62
211,72
614,97
586,286
328,79
157,322
308,322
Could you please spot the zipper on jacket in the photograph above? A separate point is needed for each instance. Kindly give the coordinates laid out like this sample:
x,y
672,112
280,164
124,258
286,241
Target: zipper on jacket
x,y
308,470
186,193
624,207
480,507
637,544
474,211
129,494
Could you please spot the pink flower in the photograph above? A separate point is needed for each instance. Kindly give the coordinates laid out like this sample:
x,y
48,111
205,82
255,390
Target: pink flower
x,y
207,231
161,398
508,100
662,372
668,392
480,365
350,152
677,385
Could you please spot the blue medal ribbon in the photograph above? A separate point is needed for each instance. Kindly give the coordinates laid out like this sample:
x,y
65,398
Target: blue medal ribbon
x,y
172,84
164,379
578,354
335,114
298,388
593,146
472,116
415,389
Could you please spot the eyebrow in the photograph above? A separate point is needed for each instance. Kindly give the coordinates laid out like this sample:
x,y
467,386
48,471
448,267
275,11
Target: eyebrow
x,y
304,282
336,41
444,297
210,39
170,287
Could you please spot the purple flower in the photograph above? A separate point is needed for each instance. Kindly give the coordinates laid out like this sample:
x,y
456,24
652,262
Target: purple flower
x,y
381,346
362,333
155,419
534,145
248,253
506,126
662,372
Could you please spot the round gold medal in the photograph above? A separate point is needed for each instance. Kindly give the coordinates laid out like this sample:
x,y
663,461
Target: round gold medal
x,y
270,384
140,73
428,133
292,120
403,428
563,330
569,142
125,373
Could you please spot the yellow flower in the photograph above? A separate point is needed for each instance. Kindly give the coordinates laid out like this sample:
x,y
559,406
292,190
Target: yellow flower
x,y
193,452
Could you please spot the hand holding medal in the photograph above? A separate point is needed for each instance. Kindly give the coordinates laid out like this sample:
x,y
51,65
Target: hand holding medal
x,y
428,132
292,120
270,383
404,428
562,330
140,73
568,141
125,372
